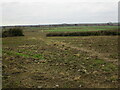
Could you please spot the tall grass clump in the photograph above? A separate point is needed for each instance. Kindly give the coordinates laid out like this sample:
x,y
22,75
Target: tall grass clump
x,y
12,32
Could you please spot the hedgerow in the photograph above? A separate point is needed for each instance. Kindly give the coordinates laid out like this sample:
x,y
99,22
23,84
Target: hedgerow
x,y
85,33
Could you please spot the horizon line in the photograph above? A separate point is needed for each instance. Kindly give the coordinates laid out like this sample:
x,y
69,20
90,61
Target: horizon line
x,y
58,24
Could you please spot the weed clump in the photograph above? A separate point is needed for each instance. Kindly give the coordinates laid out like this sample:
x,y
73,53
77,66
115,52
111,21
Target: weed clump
x,y
12,32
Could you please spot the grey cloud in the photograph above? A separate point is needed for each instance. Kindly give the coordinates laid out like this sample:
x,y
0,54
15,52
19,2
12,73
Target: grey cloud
x,y
45,13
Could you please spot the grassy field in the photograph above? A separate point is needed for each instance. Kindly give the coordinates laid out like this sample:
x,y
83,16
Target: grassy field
x,y
81,28
72,28
37,61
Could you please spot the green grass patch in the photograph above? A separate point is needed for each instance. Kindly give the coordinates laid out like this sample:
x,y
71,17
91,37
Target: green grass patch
x,y
102,65
109,67
36,56
21,54
73,30
80,28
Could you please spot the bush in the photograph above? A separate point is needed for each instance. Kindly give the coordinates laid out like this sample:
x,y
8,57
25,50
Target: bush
x,y
12,32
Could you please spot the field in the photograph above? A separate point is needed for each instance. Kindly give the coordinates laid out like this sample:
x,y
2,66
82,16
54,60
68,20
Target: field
x,y
81,28
72,28
37,61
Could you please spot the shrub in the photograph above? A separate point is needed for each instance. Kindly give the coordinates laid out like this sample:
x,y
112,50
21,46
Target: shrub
x,y
12,32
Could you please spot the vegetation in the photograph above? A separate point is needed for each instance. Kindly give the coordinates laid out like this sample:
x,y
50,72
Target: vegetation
x,y
37,61
12,32
89,33
79,28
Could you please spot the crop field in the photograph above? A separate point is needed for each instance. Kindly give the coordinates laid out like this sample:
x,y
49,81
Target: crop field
x,y
37,61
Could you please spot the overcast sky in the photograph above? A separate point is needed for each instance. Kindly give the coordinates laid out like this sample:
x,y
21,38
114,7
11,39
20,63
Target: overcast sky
x,y
70,11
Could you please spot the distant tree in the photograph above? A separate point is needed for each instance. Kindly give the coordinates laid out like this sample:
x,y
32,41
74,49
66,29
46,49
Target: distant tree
x,y
109,23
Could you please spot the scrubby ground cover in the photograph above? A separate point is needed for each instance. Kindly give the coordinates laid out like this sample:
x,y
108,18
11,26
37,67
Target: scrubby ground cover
x,y
36,61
